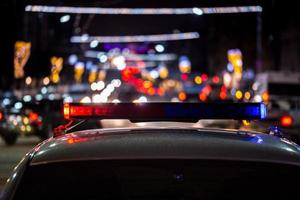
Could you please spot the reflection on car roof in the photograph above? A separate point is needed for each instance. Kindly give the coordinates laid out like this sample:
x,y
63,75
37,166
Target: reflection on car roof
x,y
167,143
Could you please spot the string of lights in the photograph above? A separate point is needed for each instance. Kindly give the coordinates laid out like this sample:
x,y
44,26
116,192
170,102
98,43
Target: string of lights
x,y
142,11
135,57
135,38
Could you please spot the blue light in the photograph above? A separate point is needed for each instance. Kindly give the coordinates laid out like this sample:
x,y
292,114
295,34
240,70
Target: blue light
x,y
257,111
253,111
230,67
263,111
182,111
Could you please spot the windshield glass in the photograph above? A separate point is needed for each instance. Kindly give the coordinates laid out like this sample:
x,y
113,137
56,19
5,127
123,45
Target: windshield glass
x,y
157,179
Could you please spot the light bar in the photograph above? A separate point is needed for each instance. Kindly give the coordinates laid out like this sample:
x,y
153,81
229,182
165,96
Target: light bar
x,y
136,38
165,111
142,11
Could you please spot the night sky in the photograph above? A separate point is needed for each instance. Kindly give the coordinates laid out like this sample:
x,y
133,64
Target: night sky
x,y
218,33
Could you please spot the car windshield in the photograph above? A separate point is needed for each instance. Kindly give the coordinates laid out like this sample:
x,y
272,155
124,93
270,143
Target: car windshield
x,y
158,179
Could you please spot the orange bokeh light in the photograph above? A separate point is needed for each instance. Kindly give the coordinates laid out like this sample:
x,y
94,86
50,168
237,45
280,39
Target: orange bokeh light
x,y
182,96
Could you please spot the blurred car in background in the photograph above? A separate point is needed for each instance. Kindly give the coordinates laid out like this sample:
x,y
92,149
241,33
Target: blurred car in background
x,y
24,122
281,92
22,119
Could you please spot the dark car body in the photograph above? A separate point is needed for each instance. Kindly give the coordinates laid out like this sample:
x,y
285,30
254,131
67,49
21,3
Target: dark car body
x,y
166,162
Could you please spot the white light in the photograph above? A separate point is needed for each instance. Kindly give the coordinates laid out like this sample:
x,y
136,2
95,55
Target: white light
x,y
97,98
100,85
116,82
6,102
134,57
94,44
38,97
68,99
110,88
103,58
28,80
239,62
174,99
197,11
143,99
227,79
140,11
79,65
255,86
159,48
119,62
73,59
86,100
84,38
136,38
257,98
46,81
44,90
154,74
116,101
51,97
94,86
18,105
27,98
19,118
65,18
121,66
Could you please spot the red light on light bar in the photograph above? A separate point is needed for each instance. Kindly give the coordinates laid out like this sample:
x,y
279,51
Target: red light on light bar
x,y
81,111
286,121
164,111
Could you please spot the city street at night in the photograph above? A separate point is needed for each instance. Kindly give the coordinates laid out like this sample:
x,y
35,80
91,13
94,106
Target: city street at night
x,y
144,100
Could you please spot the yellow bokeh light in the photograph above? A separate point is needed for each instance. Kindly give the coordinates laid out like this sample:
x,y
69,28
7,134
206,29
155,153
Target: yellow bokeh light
x,y
55,78
246,122
147,84
164,73
25,120
238,94
198,80
247,95
92,76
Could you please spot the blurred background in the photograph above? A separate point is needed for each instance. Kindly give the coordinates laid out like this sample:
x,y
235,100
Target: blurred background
x,y
141,51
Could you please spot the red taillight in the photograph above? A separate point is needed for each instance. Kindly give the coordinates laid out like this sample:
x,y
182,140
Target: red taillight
x,y
1,116
33,117
215,79
286,121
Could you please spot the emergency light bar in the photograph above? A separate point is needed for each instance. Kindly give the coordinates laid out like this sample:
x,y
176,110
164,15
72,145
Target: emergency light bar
x,y
165,111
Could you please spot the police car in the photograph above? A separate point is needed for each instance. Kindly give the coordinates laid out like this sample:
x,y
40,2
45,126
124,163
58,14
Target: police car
x,y
164,159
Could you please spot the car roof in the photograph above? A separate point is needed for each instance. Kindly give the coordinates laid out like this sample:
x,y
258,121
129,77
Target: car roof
x,y
166,143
